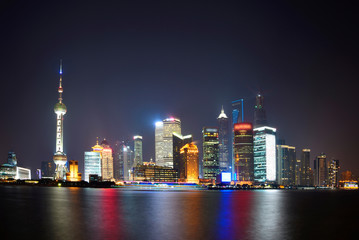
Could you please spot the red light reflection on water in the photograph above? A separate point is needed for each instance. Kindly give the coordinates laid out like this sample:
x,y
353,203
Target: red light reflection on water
x,y
111,221
235,215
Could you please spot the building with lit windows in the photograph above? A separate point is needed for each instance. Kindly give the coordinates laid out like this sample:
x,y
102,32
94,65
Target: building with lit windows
x,y
153,173
264,151
159,143
321,170
305,174
73,175
260,118
333,173
60,157
243,153
107,161
224,134
210,160
163,140
92,162
286,165
178,162
189,153
138,150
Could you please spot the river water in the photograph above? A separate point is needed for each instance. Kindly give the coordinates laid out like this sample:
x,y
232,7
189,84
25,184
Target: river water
x,y
88,213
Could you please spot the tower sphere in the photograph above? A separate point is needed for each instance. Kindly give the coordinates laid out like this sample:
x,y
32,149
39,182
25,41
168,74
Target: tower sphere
x,y
60,108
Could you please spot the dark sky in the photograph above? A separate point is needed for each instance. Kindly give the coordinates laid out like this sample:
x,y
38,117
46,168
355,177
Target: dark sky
x,y
128,64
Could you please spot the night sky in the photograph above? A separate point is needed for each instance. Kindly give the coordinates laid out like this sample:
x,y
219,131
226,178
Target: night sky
x,y
128,64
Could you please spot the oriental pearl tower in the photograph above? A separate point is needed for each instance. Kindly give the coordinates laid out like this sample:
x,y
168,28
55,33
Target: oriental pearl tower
x,y
60,158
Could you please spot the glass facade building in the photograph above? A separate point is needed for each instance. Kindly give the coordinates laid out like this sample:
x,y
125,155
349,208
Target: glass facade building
x,y
286,165
92,164
137,150
305,174
243,153
210,153
264,150
321,170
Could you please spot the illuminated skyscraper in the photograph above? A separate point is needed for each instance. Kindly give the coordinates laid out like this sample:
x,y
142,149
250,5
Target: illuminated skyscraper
x,y
321,170
305,175
210,153
159,143
189,153
92,162
107,161
178,163
237,112
260,118
163,140
73,175
243,153
333,173
264,149
138,150
286,162
223,136
126,157
60,158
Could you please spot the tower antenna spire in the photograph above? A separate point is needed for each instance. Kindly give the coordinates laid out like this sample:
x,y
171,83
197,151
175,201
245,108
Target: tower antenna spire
x,y
61,90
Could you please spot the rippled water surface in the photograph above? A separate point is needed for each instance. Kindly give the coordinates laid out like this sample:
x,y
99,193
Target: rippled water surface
x,y
80,213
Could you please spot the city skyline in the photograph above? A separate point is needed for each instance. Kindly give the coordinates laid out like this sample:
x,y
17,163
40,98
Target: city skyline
x,y
115,93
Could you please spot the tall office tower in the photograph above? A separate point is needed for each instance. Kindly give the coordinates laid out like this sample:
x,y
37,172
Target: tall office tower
x,y
243,153
164,138
224,134
298,172
73,175
178,164
107,161
137,150
305,176
286,162
264,150
126,157
11,159
117,164
189,154
48,169
159,143
260,118
92,162
333,173
237,111
60,158
210,153
237,117
320,170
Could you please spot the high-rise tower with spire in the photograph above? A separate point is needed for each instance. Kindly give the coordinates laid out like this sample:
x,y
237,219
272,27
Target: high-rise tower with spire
x,y
223,137
60,157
